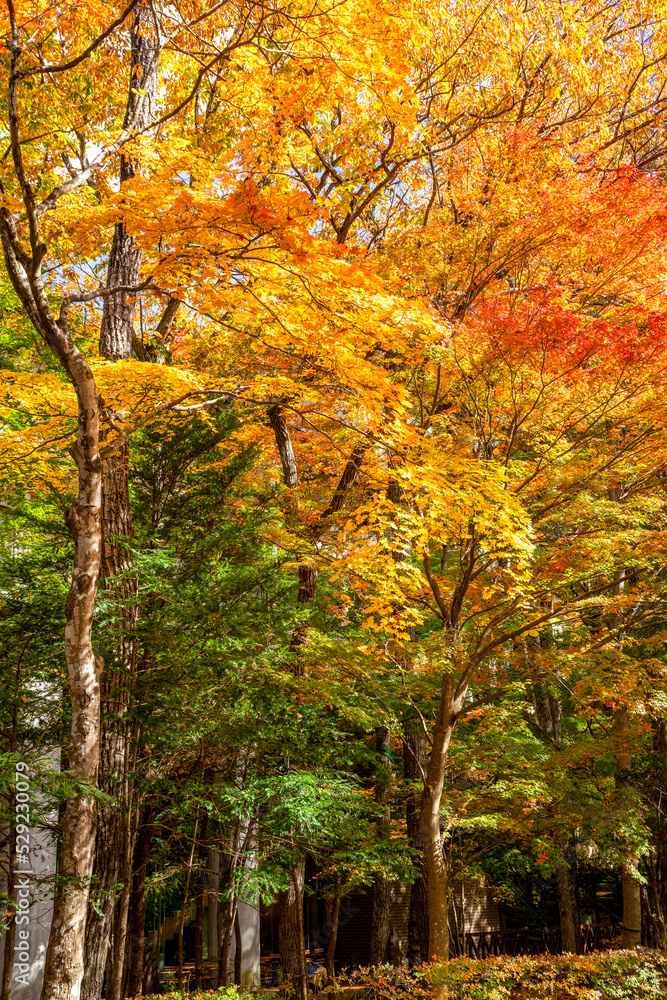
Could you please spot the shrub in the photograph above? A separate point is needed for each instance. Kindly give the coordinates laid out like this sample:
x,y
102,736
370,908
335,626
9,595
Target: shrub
x,y
618,975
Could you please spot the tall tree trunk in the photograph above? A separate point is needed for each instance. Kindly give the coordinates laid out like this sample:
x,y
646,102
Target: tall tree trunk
x,y
632,909
64,963
332,907
142,852
118,982
110,846
569,931
227,908
199,925
547,709
226,918
632,923
658,922
292,945
381,889
120,941
213,902
414,767
199,905
179,973
437,875
116,341
238,948
10,934
116,335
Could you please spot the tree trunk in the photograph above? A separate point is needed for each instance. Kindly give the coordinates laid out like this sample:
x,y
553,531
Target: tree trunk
x,y
110,844
120,943
114,832
414,766
437,894
199,924
124,268
332,907
547,709
226,917
292,944
199,905
238,948
64,963
437,875
142,852
658,922
381,889
227,910
285,449
114,843
179,973
213,903
632,907
569,931
632,911
64,967
380,921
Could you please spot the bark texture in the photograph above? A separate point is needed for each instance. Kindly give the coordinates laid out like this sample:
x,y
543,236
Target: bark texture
x,y
226,918
213,902
199,905
547,709
332,908
64,956
567,910
632,907
292,953
64,963
125,258
381,888
437,875
414,767
142,851
112,866
227,908
284,444
186,892
238,948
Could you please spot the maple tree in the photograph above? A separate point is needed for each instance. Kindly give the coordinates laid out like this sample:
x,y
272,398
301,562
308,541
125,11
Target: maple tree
x,y
434,260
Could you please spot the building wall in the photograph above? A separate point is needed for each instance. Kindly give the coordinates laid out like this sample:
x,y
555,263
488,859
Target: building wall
x,y
473,906
474,909
43,864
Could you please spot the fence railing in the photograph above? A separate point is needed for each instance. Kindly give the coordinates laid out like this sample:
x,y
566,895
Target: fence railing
x,y
485,944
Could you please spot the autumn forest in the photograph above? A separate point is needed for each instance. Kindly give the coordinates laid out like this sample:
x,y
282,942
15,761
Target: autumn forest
x,y
333,498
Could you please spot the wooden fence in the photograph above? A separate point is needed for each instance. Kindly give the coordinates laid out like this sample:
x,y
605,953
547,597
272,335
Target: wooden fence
x,y
484,944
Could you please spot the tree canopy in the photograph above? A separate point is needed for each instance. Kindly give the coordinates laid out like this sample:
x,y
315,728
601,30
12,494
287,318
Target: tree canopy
x,y
332,437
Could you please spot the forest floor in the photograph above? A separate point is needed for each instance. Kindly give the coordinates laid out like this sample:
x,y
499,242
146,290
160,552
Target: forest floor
x,y
612,975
